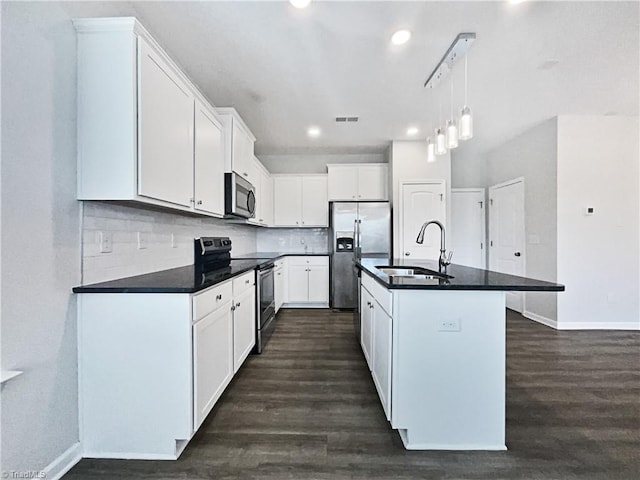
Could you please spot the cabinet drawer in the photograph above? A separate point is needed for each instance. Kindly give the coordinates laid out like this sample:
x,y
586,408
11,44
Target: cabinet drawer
x,y
309,260
243,282
211,299
383,296
278,263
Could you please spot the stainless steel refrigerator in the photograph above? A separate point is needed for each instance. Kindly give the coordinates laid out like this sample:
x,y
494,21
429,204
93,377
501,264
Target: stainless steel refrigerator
x,y
355,229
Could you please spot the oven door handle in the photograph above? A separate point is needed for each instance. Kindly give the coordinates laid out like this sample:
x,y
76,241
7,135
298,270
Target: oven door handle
x,y
264,270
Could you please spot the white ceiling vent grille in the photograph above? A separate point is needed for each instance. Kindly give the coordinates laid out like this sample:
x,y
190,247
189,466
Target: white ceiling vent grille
x,y
346,119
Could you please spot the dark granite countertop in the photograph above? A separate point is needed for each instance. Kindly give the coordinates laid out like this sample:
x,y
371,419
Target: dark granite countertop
x,y
175,280
186,279
462,278
277,255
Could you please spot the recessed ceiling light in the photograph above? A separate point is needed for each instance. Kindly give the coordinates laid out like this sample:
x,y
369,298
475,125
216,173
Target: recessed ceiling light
x,y
412,131
400,37
313,132
300,3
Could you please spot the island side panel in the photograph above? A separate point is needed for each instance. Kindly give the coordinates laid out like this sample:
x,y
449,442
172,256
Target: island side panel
x,y
449,369
135,374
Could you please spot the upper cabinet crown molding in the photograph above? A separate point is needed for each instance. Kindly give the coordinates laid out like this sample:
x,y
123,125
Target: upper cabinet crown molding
x,y
234,113
138,138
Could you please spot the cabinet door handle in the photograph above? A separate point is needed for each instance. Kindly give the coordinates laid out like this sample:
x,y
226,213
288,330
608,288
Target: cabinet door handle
x,y
219,297
237,304
199,202
278,273
247,281
233,307
191,200
245,174
406,254
517,254
296,223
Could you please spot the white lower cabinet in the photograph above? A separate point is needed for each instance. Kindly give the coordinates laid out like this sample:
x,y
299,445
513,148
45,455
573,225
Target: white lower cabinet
x,y
308,281
213,362
376,330
244,326
151,366
279,283
366,325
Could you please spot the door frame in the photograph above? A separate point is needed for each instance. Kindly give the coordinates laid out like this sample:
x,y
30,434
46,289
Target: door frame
x,y
402,183
485,243
523,249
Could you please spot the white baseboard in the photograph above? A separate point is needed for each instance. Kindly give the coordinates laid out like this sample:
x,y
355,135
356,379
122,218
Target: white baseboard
x,y
598,326
540,319
63,463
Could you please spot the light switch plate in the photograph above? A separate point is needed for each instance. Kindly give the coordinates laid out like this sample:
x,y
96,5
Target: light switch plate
x,y
105,240
449,325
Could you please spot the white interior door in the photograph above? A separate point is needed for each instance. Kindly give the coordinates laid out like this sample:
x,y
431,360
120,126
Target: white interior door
x,y
421,202
467,226
506,234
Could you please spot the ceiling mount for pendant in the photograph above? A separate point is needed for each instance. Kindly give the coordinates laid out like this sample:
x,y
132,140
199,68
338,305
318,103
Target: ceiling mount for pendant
x,y
457,50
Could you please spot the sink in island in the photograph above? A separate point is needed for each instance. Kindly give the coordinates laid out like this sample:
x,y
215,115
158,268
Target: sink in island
x,y
435,345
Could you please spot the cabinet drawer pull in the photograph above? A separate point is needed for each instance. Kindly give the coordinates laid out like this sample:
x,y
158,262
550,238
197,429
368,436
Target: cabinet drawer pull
x,y
245,174
247,281
219,296
199,202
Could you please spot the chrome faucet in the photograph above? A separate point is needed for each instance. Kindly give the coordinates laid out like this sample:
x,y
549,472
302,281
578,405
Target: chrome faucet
x,y
444,260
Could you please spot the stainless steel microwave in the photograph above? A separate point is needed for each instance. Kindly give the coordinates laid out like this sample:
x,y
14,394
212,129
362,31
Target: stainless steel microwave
x,y
239,196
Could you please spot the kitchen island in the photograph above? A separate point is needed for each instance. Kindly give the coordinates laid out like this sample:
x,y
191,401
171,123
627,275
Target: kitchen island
x,y
435,346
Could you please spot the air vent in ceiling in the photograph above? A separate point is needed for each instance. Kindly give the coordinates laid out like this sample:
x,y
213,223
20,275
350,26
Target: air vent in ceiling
x,y
346,119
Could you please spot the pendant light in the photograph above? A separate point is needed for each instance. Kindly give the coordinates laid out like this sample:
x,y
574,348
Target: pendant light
x,y
441,141
466,119
452,128
431,147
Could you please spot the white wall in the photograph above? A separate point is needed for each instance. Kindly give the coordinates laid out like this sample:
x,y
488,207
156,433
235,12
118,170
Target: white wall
x,y
123,224
408,161
315,163
598,256
533,156
40,235
468,171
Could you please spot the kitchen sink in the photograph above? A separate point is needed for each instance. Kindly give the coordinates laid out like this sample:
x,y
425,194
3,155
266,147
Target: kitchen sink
x,y
418,273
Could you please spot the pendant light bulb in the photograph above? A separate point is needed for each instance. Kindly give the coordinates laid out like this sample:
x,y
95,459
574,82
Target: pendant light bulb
x,y
452,134
431,151
441,142
466,124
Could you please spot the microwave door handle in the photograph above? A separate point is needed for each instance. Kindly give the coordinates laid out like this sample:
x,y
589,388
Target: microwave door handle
x,y
251,209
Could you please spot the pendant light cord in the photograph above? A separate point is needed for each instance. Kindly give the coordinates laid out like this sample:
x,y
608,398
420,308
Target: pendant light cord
x,y
465,80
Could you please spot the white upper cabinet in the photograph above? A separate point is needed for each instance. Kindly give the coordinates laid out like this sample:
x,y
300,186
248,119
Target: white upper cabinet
x,y
287,200
357,182
166,130
137,120
238,149
264,195
300,201
208,161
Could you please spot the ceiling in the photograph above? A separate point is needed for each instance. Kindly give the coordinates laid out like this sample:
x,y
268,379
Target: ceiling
x,y
286,69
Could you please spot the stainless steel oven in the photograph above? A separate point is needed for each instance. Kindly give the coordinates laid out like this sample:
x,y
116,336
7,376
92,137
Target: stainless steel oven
x,y
265,305
239,196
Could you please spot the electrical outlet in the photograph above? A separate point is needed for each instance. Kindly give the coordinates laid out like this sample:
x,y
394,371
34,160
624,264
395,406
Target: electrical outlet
x,y
449,325
142,240
173,241
105,241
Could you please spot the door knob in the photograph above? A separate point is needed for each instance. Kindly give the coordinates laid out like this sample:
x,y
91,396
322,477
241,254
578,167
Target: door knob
x,y
517,254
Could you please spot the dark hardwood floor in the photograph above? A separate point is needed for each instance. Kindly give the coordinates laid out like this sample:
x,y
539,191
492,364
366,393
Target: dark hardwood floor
x,y
307,409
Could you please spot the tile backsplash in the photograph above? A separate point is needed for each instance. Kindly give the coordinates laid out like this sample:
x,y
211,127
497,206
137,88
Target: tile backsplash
x,y
293,240
123,223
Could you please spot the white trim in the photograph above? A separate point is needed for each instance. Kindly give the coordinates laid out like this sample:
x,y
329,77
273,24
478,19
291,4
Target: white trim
x,y
540,319
64,462
598,326
6,375
513,181
437,446
304,305
130,456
